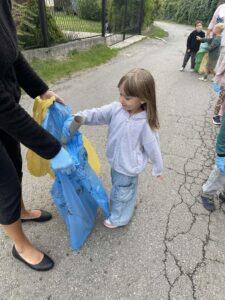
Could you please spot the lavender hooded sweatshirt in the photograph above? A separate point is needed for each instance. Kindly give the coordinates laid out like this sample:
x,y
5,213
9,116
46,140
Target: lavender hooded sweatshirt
x,y
131,142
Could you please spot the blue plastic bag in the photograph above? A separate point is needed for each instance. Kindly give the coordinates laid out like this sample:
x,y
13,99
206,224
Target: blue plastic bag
x,y
76,196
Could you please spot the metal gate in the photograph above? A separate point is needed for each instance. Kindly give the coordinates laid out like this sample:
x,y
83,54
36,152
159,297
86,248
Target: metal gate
x,y
43,23
122,19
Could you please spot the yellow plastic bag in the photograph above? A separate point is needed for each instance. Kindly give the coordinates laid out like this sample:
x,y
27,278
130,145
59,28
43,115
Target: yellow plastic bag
x,y
204,63
39,166
93,159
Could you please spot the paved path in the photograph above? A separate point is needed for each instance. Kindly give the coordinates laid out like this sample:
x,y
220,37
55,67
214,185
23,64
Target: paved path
x,y
173,248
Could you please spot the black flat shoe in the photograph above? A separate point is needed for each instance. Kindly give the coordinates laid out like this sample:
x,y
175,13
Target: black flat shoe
x,y
45,216
46,264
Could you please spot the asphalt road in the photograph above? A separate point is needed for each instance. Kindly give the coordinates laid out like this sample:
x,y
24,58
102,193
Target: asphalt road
x,y
173,248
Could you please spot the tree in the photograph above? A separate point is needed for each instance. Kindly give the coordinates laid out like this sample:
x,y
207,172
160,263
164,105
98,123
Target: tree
x,y
188,11
28,25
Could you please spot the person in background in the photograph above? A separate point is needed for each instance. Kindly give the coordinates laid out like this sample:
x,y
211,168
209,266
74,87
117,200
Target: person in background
x,y
218,17
219,87
216,180
213,50
193,46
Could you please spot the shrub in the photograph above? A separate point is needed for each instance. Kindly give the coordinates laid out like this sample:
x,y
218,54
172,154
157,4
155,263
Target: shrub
x,y
89,9
187,11
28,26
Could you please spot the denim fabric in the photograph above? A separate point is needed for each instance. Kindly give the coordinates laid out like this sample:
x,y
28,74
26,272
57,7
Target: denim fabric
x,y
215,183
122,198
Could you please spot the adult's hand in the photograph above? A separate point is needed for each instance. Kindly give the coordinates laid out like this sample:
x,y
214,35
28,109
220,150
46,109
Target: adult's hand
x,y
48,94
63,162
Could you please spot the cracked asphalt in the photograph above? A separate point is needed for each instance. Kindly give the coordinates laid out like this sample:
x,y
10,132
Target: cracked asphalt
x,y
173,248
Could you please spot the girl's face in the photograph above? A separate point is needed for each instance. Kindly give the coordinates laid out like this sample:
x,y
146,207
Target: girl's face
x,y
131,104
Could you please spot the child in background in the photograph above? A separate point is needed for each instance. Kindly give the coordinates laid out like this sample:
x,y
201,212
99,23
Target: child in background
x,y
213,50
219,87
132,140
193,46
216,180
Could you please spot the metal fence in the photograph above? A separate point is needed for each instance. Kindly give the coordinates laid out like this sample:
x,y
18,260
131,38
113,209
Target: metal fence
x,y
43,23
124,18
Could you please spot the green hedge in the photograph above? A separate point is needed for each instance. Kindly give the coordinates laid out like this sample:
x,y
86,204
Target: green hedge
x,y
188,11
29,30
89,9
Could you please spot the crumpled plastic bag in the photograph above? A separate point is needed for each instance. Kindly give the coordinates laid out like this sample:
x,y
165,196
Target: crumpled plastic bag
x,y
39,166
199,56
77,196
204,63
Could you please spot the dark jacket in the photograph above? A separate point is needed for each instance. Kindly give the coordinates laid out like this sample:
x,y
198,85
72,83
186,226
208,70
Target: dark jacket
x,y
15,72
192,43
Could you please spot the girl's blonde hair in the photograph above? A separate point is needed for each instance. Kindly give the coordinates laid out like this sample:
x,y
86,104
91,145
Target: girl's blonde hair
x,y
140,83
220,26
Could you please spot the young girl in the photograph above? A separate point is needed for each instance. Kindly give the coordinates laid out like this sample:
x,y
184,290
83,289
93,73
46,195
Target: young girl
x,y
213,50
132,140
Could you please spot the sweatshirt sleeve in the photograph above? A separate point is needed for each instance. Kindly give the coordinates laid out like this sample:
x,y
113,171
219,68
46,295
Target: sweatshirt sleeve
x,y
18,123
98,116
28,79
150,143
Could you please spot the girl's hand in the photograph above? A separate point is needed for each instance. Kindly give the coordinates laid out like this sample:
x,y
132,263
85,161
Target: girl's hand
x,y
198,38
50,94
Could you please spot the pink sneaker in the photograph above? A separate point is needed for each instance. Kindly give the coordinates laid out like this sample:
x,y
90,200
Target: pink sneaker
x,y
108,224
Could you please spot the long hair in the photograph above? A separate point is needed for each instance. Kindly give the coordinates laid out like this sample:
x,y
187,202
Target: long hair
x,y
140,83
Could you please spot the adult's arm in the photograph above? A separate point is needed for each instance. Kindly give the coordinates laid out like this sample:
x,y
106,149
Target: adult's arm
x,y
213,21
28,79
18,123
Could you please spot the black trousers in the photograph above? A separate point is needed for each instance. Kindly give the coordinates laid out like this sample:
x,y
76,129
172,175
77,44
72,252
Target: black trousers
x,y
10,179
187,57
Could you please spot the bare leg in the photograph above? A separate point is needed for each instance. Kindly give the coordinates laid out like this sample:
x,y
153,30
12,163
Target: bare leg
x,y
22,244
28,214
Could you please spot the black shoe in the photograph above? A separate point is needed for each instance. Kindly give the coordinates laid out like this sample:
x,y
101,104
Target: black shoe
x,y
222,197
217,120
208,203
46,264
45,216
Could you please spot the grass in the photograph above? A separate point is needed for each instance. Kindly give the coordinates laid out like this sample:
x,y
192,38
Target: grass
x,y
74,23
156,32
51,70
